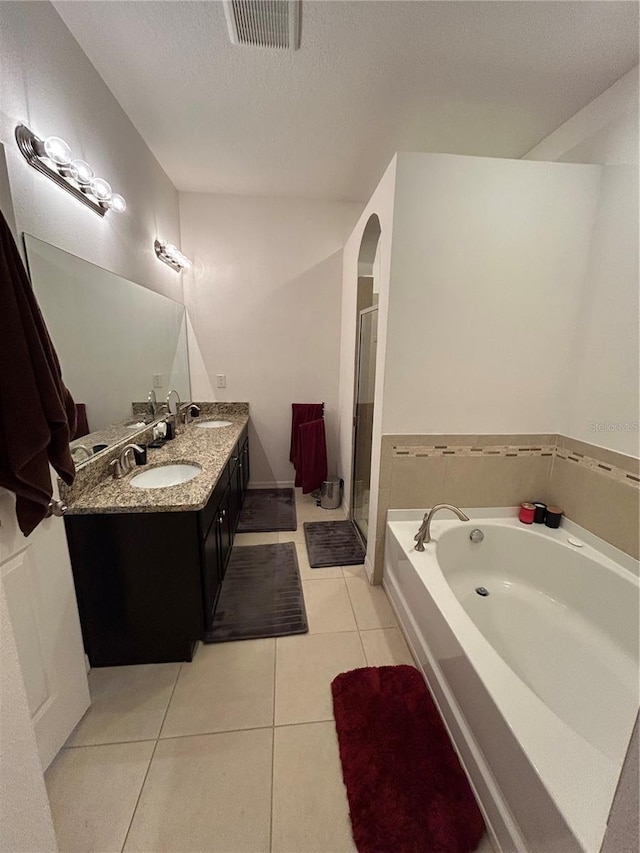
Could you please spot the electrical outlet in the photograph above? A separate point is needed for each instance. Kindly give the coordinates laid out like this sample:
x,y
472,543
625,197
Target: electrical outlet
x,y
221,380
157,380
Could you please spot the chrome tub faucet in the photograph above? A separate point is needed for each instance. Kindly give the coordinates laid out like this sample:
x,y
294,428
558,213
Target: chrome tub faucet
x,y
424,533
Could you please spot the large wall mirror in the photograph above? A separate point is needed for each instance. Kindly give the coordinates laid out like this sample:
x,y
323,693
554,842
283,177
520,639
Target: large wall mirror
x,y
116,340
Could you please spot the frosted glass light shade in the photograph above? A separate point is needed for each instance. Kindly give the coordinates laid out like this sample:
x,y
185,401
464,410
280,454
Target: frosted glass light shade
x,y
57,150
101,189
81,172
118,203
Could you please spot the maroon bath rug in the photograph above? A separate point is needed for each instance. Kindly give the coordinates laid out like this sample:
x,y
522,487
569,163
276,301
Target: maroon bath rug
x,y
407,791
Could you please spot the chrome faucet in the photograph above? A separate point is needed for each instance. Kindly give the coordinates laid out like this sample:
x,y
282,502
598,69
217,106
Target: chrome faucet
x,y
83,448
185,410
152,403
125,462
424,533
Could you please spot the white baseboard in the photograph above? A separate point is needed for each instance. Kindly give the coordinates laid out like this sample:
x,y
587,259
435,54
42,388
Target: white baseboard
x,y
271,484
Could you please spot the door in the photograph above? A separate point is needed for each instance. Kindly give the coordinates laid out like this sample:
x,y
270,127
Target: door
x,y
235,497
38,586
363,418
212,576
226,532
245,468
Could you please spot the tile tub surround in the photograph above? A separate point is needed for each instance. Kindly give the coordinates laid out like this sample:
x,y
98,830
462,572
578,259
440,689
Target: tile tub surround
x,y
597,488
208,448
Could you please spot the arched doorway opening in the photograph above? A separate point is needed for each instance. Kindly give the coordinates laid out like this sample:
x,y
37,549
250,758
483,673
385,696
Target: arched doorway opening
x,y
365,373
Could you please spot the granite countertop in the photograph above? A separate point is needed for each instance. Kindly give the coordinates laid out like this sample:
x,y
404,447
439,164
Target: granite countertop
x,y
109,435
209,448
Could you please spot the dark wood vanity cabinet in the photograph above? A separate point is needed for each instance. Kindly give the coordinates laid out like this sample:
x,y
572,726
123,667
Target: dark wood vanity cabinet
x,y
148,583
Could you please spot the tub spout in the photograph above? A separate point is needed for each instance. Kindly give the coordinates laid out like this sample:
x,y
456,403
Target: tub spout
x,y
424,533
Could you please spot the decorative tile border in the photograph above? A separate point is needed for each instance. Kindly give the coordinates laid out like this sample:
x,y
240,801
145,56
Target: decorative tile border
x,y
471,450
514,450
592,464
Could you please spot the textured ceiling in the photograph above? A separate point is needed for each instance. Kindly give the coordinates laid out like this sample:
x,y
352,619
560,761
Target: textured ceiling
x,y
371,78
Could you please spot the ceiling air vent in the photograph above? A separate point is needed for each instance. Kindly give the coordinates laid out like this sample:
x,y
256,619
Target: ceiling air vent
x,y
264,23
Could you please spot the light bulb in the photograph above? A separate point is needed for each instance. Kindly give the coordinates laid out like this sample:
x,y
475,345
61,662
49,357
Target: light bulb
x,y
117,203
57,150
101,189
81,172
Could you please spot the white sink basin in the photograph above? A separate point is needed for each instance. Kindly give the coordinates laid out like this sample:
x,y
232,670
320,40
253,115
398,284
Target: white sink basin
x,y
213,424
165,475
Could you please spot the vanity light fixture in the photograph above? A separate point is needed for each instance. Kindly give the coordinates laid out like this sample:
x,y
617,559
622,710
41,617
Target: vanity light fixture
x,y
168,253
53,157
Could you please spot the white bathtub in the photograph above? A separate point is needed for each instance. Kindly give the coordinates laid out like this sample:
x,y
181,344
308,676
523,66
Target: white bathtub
x,y
538,681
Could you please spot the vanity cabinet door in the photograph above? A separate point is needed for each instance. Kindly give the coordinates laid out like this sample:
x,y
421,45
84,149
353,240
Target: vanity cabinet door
x,y
211,571
225,530
235,491
244,466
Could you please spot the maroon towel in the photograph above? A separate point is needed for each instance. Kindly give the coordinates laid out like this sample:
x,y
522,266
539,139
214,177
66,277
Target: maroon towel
x,y
301,413
82,424
313,455
37,414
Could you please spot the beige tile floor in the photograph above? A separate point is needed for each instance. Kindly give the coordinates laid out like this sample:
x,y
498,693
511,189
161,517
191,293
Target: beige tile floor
x,y
235,752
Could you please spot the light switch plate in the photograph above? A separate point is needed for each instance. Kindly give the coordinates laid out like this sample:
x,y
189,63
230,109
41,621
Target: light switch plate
x,y
221,380
157,380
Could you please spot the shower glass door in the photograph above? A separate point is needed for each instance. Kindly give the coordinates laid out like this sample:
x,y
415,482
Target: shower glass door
x,y
363,418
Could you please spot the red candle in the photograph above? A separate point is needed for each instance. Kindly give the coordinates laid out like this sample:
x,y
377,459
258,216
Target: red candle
x,y
527,513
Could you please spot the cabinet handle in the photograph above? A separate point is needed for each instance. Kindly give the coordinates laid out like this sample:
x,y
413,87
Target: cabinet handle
x,y
234,458
240,465
224,512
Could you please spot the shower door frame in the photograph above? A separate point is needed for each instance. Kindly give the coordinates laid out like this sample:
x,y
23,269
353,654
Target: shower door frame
x,y
356,393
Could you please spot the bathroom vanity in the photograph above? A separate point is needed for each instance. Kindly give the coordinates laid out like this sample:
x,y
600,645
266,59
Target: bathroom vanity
x,y
148,563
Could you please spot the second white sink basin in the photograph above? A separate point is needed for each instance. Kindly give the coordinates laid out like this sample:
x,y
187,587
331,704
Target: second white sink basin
x,y
213,424
165,475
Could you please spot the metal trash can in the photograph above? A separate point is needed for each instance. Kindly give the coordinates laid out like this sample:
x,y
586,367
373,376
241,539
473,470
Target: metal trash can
x,y
331,493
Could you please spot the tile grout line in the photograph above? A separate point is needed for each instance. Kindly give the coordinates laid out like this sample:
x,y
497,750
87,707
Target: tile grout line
x,y
273,739
217,732
146,775
355,618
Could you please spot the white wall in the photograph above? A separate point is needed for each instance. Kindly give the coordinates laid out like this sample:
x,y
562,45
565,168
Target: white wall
x,y
482,266
601,397
263,300
487,273
47,83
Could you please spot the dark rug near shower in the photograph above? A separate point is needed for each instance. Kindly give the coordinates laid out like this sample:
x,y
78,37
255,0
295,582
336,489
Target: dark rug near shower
x,y
261,595
332,543
264,510
406,788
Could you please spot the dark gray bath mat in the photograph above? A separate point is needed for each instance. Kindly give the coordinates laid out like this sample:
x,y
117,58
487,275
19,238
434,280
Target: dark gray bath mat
x,y
332,543
268,509
261,595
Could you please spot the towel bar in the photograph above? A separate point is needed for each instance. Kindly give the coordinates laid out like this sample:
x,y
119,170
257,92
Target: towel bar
x,y
57,508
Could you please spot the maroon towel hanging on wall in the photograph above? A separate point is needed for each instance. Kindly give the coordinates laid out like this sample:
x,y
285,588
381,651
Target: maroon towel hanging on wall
x,y
313,455
301,413
37,414
82,424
